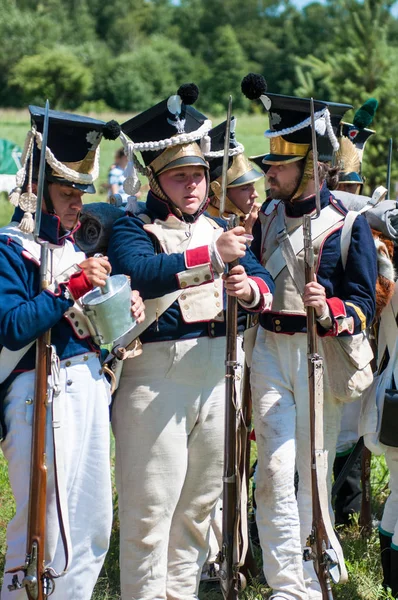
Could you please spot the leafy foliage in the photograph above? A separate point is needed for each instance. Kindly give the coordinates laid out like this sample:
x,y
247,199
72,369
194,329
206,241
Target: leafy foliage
x,y
129,54
54,74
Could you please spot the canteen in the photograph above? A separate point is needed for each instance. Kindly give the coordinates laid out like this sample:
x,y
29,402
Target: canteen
x,y
109,309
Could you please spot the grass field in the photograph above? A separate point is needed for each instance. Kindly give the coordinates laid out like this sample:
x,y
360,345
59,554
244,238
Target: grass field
x,y
362,555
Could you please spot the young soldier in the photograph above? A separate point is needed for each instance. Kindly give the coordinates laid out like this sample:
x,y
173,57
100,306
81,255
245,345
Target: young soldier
x,y
168,417
241,176
77,383
344,304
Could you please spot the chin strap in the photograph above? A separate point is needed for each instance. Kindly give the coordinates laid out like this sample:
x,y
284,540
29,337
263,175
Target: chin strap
x,y
307,166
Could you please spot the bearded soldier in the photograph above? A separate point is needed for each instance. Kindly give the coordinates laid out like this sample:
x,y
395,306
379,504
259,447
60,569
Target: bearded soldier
x,y
77,383
168,415
344,303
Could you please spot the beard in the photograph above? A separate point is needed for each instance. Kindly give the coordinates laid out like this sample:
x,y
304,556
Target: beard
x,y
285,191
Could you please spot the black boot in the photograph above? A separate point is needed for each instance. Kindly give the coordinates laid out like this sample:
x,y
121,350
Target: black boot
x,y
394,572
385,555
349,496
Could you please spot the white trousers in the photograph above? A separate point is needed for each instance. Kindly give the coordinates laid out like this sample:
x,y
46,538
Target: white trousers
x,y
168,420
281,417
349,425
389,522
84,410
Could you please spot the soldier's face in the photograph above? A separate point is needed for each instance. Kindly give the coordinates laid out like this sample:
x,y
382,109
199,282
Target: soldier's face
x,y
67,202
283,180
185,186
243,196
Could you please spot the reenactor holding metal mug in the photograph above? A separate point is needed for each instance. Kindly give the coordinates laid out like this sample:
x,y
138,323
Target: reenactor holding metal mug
x,y
43,277
168,417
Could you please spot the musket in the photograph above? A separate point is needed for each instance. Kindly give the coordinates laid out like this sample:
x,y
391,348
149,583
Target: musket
x,y
37,579
318,543
229,557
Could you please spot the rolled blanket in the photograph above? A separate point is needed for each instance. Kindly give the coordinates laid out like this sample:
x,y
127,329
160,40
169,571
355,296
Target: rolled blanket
x,y
96,222
383,216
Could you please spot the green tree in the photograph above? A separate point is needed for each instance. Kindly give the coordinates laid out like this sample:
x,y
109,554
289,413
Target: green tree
x,y
228,68
363,63
22,33
54,74
136,80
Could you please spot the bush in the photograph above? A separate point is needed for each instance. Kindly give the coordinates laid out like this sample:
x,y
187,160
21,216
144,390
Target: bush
x,y
54,74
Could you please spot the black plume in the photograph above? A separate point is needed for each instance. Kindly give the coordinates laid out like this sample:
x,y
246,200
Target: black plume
x,y
188,93
111,130
253,86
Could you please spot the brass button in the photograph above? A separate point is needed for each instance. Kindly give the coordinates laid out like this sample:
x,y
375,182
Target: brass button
x,y
81,331
216,294
186,307
29,401
183,297
220,314
69,382
72,315
278,328
183,284
212,325
277,322
76,323
218,304
207,277
85,357
68,363
196,279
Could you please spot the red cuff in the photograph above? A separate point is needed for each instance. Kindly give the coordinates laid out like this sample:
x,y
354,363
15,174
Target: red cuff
x,y
197,257
337,308
78,285
262,286
265,303
337,311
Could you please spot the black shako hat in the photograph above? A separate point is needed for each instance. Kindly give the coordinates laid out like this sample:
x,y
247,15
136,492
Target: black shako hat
x,y
240,171
73,142
290,123
169,133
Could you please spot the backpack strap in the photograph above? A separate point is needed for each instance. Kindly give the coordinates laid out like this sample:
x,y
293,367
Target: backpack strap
x,y
346,232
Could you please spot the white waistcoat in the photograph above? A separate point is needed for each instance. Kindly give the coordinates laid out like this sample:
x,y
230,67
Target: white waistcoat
x,y
286,297
203,299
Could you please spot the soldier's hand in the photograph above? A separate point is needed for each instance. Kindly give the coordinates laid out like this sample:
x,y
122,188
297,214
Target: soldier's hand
x,y
252,218
315,296
137,306
232,244
237,284
96,270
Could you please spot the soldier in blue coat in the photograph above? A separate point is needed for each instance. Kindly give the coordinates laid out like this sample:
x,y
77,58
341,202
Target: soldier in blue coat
x,y
344,303
77,458
168,416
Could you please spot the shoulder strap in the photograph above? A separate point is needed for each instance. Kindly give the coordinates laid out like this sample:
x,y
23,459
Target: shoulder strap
x,y
346,232
329,216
